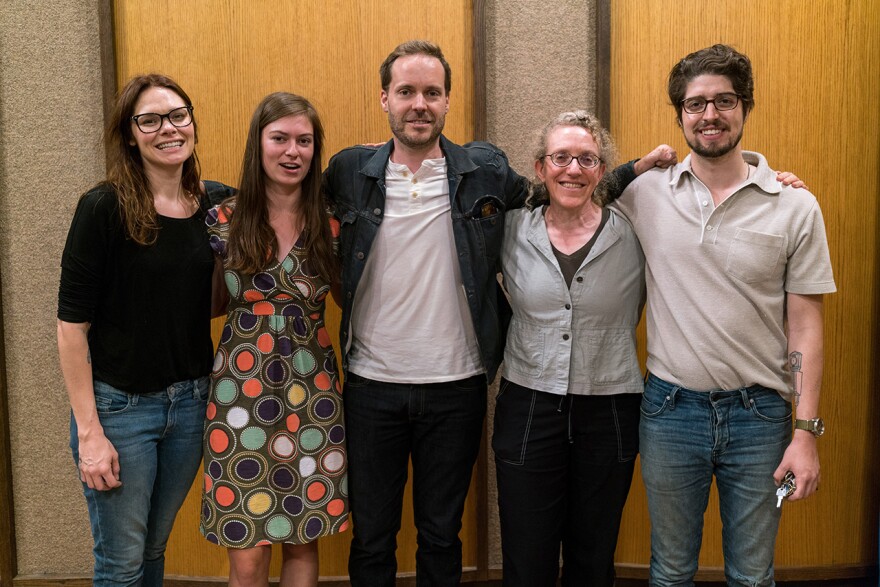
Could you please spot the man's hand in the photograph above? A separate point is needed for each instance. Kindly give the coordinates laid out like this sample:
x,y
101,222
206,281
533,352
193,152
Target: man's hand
x,y
662,156
98,462
789,178
802,459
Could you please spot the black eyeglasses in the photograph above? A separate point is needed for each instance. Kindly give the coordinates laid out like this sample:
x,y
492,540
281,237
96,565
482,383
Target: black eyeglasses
x,y
722,102
562,159
150,122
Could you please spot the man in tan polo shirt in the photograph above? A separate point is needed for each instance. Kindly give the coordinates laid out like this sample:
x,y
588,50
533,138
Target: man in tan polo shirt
x,y
736,268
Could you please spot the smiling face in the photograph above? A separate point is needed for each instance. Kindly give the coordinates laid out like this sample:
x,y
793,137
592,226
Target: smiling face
x,y
571,186
169,147
287,147
712,133
416,101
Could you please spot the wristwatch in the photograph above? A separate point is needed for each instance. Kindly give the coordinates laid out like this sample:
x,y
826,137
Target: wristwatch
x,y
816,426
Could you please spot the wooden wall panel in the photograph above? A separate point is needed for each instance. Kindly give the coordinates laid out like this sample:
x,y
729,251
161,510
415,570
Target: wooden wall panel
x,y
228,54
817,76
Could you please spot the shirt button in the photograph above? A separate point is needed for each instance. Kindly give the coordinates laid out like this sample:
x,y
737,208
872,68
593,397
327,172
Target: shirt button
x,y
579,279
415,195
564,337
709,228
377,212
360,255
705,202
568,306
415,180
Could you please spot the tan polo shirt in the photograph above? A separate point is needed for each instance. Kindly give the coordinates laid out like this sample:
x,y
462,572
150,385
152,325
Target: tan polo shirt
x,y
717,276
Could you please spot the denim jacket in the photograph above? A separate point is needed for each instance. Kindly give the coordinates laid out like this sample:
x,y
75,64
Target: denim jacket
x,y
482,186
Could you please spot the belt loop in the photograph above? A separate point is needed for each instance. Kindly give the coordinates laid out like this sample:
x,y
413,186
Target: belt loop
x,y
673,393
133,399
747,402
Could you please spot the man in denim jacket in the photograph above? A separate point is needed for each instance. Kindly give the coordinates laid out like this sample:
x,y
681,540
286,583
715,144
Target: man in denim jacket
x,y
422,330
421,224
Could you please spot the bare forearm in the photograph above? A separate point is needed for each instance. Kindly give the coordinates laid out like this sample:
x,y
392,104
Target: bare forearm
x,y
76,366
805,352
98,459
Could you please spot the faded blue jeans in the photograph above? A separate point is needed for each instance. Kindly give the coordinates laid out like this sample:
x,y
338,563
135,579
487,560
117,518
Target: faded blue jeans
x,y
158,436
686,438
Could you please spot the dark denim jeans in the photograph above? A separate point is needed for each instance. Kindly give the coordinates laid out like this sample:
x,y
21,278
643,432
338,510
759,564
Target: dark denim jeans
x,y
737,436
158,436
439,425
564,466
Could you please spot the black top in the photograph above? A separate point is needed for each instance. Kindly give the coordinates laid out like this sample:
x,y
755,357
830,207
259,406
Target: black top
x,y
149,306
569,264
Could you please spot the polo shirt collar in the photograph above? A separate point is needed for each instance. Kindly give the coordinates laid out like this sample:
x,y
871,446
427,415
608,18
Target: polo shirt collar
x,y
763,177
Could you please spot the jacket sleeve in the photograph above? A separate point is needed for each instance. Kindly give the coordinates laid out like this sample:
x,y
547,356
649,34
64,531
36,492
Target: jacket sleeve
x,y
621,176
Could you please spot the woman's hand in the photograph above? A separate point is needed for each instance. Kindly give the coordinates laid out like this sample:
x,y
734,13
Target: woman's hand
x,y
98,461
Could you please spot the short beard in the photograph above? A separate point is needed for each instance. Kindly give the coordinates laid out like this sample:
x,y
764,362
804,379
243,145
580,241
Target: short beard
x,y
398,129
714,153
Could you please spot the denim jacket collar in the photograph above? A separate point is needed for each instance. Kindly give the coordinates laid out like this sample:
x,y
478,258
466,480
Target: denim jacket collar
x,y
457,160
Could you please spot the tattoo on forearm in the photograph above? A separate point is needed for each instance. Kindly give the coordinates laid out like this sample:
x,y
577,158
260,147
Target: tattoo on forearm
x,y
795,364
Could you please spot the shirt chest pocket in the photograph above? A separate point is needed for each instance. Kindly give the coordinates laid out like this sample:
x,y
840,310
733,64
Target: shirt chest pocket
x,y
755,256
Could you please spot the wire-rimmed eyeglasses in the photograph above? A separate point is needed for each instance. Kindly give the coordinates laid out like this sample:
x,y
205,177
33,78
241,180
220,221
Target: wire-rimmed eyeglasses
x,y
563,159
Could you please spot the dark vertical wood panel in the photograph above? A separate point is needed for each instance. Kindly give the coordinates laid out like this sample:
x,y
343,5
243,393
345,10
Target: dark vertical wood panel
x,y
602,25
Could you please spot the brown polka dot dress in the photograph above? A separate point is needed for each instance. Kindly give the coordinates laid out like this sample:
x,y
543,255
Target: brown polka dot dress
x,y
275,462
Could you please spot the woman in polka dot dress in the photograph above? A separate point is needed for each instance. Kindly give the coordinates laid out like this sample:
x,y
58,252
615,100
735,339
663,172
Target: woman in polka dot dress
x,y
275,463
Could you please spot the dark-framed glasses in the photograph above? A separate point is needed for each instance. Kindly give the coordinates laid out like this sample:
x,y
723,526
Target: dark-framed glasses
x,y
722,102
151,122
563,159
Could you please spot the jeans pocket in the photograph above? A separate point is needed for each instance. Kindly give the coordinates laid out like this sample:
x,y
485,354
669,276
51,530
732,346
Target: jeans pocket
x,y
109,400
475,383
513,419
356,381
654,402
202,388
769,406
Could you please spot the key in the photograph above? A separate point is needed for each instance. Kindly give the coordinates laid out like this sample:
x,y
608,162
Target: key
x,y
787,488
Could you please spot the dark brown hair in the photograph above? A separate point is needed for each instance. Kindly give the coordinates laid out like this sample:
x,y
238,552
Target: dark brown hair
x,y
125,168
416,47
252,244
538,195
715,60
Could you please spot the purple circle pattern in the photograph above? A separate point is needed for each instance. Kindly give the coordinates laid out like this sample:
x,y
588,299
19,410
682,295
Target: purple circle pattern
x,y
276,362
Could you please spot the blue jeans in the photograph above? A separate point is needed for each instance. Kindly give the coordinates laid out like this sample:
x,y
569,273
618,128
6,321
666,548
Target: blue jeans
x,y
564,466
158,436
439,425
687,436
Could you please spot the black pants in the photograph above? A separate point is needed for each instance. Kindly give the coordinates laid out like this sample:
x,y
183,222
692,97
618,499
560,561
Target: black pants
x,y
439,426
564,465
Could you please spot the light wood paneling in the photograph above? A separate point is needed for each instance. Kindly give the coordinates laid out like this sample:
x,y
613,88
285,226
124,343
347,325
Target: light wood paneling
x,y
228,54
817,78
